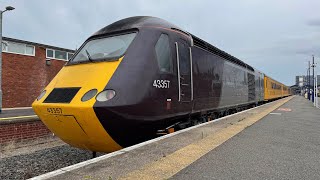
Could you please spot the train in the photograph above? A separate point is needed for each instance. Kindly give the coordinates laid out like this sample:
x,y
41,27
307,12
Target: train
x,y
141,77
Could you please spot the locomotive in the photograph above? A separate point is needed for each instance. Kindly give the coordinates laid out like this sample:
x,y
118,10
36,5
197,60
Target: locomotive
x,y
141,76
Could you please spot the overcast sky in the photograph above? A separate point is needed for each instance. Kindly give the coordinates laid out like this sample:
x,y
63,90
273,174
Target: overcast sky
x,y
276,36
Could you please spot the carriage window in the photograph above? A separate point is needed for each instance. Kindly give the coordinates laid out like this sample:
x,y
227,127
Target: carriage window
x,y
163,53
184,59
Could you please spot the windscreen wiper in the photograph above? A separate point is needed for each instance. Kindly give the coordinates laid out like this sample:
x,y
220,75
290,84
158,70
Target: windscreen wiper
x,y
89,57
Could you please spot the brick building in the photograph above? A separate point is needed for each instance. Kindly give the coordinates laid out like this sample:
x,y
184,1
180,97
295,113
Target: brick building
x,y
27,67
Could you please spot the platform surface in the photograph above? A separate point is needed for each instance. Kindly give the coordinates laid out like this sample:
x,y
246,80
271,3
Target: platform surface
x,y
17,113
283,145
279,140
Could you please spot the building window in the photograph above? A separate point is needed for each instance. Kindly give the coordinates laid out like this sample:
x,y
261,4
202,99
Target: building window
x,y
70,55
57,54
29,50
18,48
60,55
49,53
4,46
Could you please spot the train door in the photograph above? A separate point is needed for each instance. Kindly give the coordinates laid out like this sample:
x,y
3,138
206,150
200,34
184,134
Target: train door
x,y
251,88
261,87
184,70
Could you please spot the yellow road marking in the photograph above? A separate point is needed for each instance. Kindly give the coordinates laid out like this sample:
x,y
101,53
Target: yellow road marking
x,y
18,117
170,165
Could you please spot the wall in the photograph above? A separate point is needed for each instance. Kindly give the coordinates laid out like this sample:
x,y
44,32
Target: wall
x,y
24,77
23,131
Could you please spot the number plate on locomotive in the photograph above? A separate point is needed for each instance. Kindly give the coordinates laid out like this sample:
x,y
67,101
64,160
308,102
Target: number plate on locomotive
x,y
163,84
54,110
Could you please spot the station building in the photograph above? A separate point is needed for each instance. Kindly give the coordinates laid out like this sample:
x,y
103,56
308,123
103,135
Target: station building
x,y
303,80
27,67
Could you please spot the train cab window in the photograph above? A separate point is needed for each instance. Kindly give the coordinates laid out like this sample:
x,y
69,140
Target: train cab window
x,y
103,49
163,54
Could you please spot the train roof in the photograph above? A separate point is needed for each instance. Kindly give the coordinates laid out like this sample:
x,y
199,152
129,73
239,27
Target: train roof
x,y
135,22
275,80
148,21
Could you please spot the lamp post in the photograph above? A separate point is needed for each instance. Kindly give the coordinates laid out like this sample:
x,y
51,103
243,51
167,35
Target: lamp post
x,y
8,8
312,77
314,90
316,103
308,79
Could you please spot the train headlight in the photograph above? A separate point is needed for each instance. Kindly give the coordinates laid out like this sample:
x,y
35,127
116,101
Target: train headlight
x,y
106,95
41,94
88,95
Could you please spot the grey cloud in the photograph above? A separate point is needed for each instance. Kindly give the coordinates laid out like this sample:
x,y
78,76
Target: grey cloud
x,y
309,51
315,22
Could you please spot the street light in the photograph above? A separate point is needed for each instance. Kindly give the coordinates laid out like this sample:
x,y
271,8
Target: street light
x,y
8,8
308,80
314,84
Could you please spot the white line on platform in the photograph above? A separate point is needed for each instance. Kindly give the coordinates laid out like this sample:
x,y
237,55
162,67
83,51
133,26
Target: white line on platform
x,y
18,117
17,108
276,113
91,161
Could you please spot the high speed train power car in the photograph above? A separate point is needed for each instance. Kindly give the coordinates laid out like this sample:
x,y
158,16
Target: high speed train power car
x,y
140,76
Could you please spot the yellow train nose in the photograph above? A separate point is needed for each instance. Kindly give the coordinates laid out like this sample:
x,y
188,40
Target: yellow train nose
x,y
71,117
68,128
76,126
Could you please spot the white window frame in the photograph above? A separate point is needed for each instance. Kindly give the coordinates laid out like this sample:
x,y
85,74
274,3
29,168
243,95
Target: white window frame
x,y
34,50
25,49
6,49
54,55
68,55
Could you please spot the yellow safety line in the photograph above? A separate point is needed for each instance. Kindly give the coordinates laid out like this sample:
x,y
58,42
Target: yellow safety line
x,y
168,166
18,117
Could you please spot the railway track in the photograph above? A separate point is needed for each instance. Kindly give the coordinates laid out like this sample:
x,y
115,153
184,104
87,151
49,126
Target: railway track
x,y
28,162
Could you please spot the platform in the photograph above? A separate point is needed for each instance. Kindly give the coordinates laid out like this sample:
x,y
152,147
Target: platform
x,y
279,140
283,145
24,113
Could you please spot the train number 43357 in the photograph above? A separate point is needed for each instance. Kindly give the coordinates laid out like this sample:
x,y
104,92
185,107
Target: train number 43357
x,y
54,110
163,84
